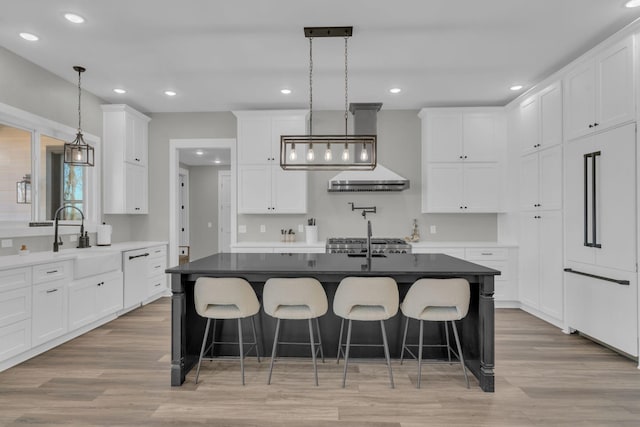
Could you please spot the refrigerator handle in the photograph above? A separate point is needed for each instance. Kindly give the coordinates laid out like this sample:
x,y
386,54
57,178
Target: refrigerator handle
x,y
586,200
594,205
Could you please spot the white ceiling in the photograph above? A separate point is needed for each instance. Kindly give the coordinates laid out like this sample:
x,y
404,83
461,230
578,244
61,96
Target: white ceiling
x,y
209,156
226,55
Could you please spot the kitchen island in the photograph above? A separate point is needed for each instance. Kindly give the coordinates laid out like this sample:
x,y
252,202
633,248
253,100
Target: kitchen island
x,y
476,330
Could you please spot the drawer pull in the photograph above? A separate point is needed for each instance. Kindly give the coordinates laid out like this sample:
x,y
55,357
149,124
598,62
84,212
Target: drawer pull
x,y
50,291
157,285
158,266
486,253
595,276
52,271
138,256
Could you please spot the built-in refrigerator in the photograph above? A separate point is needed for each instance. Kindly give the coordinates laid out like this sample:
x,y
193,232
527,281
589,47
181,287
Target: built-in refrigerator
x,y
601,289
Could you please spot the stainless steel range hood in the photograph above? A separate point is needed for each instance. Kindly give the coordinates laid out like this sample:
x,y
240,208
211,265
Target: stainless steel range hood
x,y
378,179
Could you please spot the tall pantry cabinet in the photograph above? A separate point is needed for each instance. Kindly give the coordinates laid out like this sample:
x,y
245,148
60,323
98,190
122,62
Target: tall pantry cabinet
x,y
538,130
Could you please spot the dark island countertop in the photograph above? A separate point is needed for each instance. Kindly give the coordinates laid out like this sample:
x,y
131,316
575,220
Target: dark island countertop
x,y
332,266
476,329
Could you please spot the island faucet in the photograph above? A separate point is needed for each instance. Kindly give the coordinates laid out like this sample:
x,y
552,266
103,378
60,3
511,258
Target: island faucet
x,y
56,242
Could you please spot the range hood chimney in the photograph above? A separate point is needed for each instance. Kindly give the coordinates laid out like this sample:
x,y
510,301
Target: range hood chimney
x,y
365,122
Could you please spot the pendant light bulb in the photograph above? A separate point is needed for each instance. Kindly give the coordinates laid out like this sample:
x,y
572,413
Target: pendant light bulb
x,y
292,154
364,156
310,154
345,154
328,155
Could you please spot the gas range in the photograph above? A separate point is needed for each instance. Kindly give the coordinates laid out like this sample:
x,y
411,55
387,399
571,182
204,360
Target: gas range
x,y
351,245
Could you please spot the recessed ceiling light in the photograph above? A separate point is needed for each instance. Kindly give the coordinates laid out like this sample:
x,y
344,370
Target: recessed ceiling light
x,y
285,91
516,87
120,91
632,3
395,90
199,152
72,17
217,161
29,37
170,93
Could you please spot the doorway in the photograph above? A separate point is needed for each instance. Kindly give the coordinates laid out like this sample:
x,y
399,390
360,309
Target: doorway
x,y
198,156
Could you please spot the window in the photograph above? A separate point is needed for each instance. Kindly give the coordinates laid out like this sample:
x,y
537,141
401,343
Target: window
x,y
32,150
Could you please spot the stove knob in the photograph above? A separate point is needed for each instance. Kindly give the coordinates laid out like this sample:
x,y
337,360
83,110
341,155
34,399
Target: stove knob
x,y
404,251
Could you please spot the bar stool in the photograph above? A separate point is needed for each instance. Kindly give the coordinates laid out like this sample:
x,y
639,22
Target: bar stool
x,y
226,298
365,299
295,299
436,300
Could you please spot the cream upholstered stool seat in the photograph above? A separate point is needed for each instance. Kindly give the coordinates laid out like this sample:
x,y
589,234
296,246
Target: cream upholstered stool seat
x,y
300,298
365,299
226,298
441,300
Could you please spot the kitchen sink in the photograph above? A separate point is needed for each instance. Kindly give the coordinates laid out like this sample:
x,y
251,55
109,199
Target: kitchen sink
x,y
362,255
92,262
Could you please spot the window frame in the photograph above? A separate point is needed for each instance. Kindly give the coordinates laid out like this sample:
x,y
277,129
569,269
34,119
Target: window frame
x,y
39,126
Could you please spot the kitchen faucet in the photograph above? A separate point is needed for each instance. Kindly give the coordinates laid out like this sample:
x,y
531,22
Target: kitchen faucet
x,y
56,243
369,239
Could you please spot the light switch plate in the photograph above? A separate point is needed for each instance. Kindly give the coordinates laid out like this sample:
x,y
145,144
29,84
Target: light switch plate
x,y
209,224
242,229
263,228
7,243
432,229
73,238
300,228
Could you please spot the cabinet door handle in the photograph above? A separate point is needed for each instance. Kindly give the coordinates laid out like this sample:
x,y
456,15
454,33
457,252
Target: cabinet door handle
x,y
460,156
595,124
156,285
50,291
465,157
52,271
590,126
157,266
486,253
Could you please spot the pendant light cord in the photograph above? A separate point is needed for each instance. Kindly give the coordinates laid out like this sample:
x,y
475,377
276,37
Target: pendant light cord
x,y
310,85
346,87
79,99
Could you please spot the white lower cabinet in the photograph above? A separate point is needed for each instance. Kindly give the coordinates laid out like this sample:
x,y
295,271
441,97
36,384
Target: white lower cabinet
x,y
94,297
541,267
144,277
15,339
156,277
50,314
503,259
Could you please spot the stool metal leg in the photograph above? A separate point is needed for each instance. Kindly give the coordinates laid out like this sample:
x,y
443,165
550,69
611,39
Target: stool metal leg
x,y
255,338
204,343
313,351
241,349
404,339
386,351
319,339
346,354
340,341
273,352
446,333
420,341
213,336
464,369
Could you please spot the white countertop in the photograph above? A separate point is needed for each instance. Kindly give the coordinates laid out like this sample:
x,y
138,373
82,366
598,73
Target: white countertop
x,y
273,244
33,258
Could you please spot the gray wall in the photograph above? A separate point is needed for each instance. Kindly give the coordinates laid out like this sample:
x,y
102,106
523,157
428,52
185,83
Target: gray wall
x,y
399,147
203,209
162,128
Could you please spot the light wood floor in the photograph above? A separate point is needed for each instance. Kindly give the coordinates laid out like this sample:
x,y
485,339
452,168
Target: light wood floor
x,y
119,375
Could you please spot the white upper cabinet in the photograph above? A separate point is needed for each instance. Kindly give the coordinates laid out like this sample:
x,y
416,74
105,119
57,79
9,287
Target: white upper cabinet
x,y
599,93
463,134
263,186
463,151
541,180
125,176
540,120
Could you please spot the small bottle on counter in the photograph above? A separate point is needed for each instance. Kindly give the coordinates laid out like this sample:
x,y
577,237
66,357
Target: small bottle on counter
x,y
23,250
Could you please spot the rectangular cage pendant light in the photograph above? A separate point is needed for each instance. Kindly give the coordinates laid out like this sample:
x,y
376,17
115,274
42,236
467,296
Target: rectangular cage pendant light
x,y
328,152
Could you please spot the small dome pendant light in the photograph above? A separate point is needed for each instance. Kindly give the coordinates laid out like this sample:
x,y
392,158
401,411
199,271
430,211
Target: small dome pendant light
x,y
78,152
